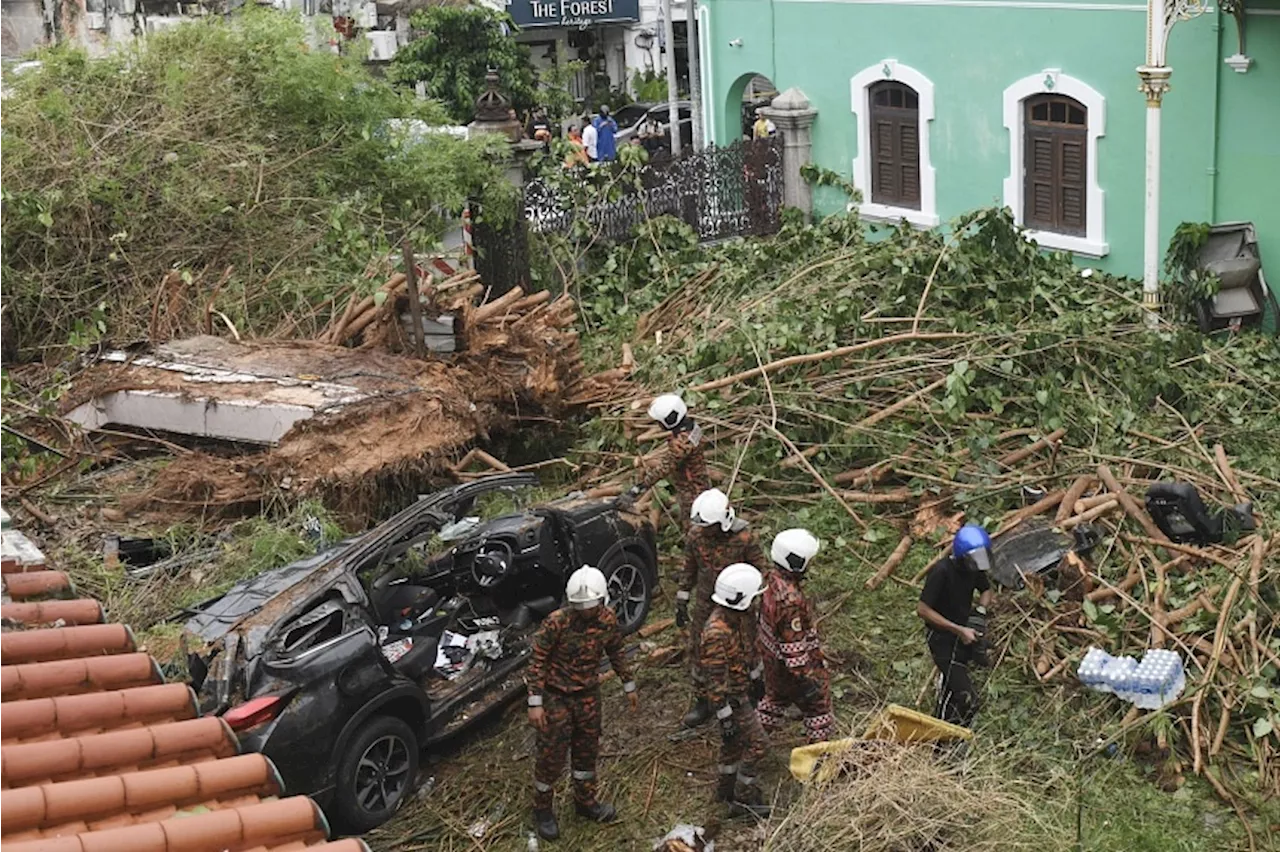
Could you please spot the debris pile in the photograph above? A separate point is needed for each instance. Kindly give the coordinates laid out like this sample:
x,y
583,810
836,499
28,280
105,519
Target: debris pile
x,y
346,419
915,384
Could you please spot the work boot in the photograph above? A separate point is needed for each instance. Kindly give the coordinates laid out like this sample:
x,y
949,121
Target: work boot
x,y
724,790
596,811
749,802
699,714
545,822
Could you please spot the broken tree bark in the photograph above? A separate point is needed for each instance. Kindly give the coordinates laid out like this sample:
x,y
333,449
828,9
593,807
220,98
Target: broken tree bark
x,y
1089,514
895,559
418,337
1131,507
1228,475
1026,452
1074,492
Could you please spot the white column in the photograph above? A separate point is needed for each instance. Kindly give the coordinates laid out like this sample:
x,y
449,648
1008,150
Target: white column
x,y
695,75
1155,82
673,87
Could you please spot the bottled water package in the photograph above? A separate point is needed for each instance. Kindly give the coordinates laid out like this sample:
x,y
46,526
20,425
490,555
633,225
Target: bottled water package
x,y
1092,669
1150,684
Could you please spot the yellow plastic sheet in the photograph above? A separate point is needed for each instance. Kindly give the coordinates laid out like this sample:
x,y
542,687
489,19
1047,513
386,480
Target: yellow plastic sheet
x,y
820,761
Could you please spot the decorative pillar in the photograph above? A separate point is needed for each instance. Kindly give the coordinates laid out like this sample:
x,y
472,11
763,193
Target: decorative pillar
x,y
1154,76
1155,83
793,116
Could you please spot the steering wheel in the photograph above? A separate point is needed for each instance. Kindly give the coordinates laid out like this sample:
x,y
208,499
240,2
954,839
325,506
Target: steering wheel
x,y
494,561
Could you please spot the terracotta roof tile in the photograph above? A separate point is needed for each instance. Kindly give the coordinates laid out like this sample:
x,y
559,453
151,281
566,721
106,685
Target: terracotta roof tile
x,y
65,643
34,584
80,611
275,823
215,785
99,756
119,751
73,677
76,715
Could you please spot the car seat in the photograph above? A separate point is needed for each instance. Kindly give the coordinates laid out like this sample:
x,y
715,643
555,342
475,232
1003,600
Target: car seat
x,y
398,601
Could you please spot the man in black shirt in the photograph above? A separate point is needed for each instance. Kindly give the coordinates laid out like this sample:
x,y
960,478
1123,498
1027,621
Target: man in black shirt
x,y
946,603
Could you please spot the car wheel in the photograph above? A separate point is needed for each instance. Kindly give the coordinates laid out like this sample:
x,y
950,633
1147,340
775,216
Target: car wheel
x,y
376,773
630,589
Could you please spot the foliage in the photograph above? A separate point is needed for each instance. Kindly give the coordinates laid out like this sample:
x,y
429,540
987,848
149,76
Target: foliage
x,y
1187,284
650,86
222,144
824,177
458,46
553,87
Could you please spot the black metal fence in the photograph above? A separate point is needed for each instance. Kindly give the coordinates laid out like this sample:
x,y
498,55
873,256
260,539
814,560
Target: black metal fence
x,y
719,192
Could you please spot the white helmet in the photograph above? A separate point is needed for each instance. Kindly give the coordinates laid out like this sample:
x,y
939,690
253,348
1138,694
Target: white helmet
x,y
792,550
668,409
586,588
737,586
710,508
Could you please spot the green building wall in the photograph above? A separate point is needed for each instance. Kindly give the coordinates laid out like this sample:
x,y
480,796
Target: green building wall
x,y
1221,129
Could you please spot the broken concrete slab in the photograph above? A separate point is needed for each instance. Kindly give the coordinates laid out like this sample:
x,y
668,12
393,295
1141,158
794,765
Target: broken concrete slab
x,y
217,396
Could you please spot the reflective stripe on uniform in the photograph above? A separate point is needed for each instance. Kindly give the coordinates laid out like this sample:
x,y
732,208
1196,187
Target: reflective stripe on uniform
x,y
629,686
540,787
583,775
724,712
682,596
746,780
535,700
728,769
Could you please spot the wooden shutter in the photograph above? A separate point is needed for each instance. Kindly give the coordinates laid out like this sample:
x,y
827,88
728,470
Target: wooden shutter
x,y
1055,170
895,145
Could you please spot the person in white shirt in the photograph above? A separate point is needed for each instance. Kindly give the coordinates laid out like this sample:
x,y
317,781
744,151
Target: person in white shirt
x,y
589,138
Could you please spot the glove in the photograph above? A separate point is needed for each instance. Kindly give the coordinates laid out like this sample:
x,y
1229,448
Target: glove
x,y
756,690
728,729
682,613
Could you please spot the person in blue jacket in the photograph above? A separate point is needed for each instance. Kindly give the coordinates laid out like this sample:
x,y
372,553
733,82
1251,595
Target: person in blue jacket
x,y
606,145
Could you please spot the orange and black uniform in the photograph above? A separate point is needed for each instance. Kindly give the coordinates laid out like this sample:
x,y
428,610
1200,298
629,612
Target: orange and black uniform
x,y
727,649
564,678
795,671
707,552
684,465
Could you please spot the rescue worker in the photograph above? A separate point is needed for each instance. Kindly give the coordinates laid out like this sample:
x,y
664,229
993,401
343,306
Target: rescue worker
x,y
726,649
795,671
564,696
716,538
684,463
946,604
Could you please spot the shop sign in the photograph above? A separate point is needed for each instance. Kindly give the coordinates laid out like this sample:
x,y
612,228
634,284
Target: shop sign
x,y
573,14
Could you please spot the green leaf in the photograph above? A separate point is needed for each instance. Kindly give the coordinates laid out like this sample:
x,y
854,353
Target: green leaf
x,y
378,298
46,218
1090,610
1042,397
1262,727
1260,691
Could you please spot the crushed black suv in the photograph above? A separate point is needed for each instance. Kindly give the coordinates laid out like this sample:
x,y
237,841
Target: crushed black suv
x,y
344,666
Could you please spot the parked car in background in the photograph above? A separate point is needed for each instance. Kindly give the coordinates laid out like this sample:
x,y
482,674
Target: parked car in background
x,y
343,666
661,114
630,115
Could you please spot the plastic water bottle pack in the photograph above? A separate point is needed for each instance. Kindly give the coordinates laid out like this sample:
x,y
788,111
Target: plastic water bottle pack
x,y
1150,684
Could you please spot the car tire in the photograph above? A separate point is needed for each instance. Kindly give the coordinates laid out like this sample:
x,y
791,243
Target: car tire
x,y
630,584
376,773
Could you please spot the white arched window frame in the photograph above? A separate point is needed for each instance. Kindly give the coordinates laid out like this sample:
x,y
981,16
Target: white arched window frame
x,y
859,87
1053,81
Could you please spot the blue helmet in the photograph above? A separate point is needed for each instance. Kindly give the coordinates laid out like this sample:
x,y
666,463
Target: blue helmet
x,y
972,546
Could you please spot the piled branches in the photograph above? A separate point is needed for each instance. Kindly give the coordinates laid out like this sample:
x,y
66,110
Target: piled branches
x,y
896,797
911,385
